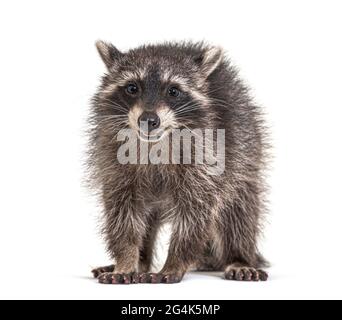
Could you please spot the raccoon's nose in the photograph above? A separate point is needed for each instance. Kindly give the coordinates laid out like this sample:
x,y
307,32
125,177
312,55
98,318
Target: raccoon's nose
x,y
152,120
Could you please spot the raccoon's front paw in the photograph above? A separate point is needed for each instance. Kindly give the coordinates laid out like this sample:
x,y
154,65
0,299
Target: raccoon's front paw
x,y
158,278
116,278
98,271
240,273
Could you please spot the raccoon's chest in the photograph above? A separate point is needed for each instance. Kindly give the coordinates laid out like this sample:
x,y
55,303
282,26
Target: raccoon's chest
x,y
156,189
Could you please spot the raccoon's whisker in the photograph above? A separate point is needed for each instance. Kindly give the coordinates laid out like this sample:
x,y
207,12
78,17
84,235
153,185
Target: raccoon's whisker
x,y
111,119
186,108
113,124
115,107
112,116
220,102
184,105
185,112
113,103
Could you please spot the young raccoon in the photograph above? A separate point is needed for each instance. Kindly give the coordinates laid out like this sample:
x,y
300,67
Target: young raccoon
x,y
216,219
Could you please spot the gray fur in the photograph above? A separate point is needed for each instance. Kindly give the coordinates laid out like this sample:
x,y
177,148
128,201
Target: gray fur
x,y
216,219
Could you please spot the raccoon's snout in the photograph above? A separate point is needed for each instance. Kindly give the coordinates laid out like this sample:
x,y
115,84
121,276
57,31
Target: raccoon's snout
x,y
149,119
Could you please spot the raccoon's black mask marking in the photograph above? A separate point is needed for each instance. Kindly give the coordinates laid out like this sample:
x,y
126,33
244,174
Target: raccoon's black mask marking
x,y
154,70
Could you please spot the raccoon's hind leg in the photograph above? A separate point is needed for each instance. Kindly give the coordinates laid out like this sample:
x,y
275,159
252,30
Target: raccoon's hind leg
x,y
208,262
241,259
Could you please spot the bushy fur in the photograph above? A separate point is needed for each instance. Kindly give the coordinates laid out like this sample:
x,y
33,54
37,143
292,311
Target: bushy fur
x,y
216,220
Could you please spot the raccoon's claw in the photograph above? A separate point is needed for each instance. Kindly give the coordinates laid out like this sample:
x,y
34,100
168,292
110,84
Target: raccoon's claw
x,y
98,271
110,277
149,278
263,276
172,278
158,278
115,278
245,274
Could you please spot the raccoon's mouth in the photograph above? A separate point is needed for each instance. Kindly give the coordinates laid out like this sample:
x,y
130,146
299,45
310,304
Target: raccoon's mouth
x,y
155,135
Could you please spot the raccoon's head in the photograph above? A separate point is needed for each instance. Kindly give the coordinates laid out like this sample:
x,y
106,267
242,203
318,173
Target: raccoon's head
x,y
154,89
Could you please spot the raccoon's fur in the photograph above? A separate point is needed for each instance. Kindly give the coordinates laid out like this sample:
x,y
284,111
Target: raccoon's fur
x,y
216,219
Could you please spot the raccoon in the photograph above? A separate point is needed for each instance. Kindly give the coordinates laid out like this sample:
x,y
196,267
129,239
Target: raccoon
x,y
216,219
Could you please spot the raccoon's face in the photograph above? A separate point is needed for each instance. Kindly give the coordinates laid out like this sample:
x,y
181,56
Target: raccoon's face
x,y
155,89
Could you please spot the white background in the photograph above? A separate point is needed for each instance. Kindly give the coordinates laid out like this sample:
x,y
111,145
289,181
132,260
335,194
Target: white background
x,y
290,52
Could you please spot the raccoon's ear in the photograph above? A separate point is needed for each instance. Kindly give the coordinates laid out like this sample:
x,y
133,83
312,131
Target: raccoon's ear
x,y
209,60
108,53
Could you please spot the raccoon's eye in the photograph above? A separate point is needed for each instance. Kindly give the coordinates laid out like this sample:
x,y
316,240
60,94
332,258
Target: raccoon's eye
x,y
173,92
132,88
